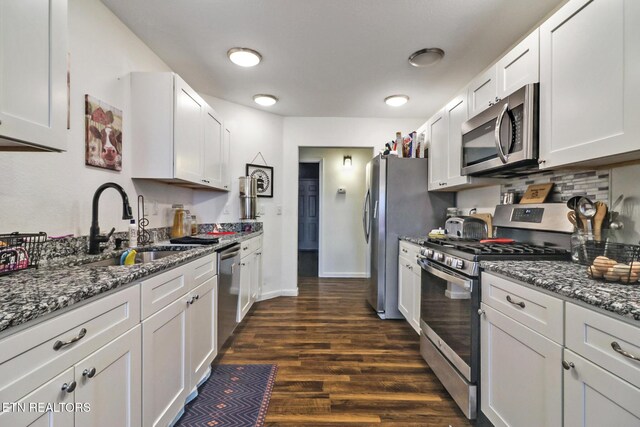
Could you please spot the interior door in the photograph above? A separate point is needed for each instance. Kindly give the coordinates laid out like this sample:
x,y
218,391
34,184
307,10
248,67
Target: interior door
x,y
308,215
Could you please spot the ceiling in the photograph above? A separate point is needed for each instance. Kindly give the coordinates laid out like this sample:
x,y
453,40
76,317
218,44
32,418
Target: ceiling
x,y
333,58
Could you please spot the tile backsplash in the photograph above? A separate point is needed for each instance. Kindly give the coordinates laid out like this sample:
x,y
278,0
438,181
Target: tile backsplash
x,y
593,184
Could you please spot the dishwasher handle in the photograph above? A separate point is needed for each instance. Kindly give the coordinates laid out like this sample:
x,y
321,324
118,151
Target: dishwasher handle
x,y
230,252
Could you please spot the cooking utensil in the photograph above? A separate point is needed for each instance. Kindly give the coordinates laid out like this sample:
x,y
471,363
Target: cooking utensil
x,y
617,202
498,240
598,219
587,211
572,204
571,216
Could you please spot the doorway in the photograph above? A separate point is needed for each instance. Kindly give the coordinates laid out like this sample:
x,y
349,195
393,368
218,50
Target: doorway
x,y
308,218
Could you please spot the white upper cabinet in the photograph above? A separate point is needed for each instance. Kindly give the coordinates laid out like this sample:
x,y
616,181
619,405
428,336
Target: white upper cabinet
x,y
482,92
178,138
437,133
226,159
589,84
456,112
515,69
33,74
519,67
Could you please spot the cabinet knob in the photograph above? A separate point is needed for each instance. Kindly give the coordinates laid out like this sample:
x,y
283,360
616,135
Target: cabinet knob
x,y
69,387
197,297
480,312
541,162
89,373
490,104
497,99
567,365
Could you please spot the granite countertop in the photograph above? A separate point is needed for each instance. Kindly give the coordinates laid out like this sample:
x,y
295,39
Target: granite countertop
x,y
570,280
30,294
414,239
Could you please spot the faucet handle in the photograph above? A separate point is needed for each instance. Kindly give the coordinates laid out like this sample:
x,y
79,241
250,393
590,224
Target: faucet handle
x,y
110,234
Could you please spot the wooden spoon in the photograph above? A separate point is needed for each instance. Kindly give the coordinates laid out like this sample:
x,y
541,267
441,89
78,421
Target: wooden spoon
x,y
601,213
571,216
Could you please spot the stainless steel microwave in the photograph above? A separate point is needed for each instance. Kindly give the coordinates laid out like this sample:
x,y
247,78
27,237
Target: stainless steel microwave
x,y
502,141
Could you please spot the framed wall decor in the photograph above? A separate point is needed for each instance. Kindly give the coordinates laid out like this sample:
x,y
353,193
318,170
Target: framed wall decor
x,y
103,135
264,175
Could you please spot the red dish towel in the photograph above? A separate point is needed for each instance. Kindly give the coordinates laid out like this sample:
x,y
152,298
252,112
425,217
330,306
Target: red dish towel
x,y
221,233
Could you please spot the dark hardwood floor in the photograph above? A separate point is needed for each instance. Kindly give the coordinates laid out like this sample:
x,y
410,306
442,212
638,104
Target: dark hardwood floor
x,y
338,363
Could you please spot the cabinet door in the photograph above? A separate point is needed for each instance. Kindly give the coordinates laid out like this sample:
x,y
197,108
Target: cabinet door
x,y
244,300
49,393
254,277
405,289
521,373
202,329
415,312
519,67
456,112
165,364
259,272
110,380
589,85
213,155
482,92
226,159
438,151
188,133
595,397
33,72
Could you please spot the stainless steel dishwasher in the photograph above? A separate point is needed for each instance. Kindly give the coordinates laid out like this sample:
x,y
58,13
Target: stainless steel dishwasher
x,y
228,291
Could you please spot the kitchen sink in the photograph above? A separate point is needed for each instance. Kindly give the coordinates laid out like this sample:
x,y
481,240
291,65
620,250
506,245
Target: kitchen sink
x,y
141,258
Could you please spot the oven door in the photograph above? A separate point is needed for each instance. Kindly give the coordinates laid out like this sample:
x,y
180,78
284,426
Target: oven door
x,y
448,302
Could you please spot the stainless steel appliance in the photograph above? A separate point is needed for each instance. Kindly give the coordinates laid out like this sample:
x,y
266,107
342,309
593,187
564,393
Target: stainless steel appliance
x,y
466,227
502,141
228,291
248,197
450,289
396,203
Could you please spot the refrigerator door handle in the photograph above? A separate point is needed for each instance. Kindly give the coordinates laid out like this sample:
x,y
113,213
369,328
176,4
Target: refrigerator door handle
x,y
365,216
375,210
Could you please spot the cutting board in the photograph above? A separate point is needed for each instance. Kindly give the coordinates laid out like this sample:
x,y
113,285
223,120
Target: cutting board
x,y
536,193
486,217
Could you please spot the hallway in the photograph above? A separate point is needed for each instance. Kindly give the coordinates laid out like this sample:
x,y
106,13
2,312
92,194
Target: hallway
x,y
338,364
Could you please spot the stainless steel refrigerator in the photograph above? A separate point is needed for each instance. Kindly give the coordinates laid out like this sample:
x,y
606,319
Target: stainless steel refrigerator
x,y
396,203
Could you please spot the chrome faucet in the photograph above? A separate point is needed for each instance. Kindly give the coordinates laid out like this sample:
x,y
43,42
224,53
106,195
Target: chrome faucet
x,y
95,238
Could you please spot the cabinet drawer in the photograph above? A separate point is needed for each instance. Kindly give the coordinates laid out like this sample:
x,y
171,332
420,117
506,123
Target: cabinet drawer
x,y
592,335
250,245
540,312
203,269
29,357
409,250
161,290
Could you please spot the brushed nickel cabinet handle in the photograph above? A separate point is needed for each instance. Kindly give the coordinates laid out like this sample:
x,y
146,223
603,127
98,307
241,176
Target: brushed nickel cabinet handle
x,y
59,344
70,387
519,304
567,365
619,349
89,373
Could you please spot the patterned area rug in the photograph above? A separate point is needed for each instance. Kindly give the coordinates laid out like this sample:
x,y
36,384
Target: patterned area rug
x,y
234,396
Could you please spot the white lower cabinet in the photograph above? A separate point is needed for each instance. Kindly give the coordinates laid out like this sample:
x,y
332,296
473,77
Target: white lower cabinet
x,y
49,393
203,329
250,275
521,373
244,300
595,397
409,275
110,381
165,361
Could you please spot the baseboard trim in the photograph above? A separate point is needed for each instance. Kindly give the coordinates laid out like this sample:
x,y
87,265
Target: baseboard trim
x,y
279,293
345,275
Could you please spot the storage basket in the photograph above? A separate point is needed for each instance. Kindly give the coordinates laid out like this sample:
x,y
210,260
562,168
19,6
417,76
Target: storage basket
x,y
20,250
612,262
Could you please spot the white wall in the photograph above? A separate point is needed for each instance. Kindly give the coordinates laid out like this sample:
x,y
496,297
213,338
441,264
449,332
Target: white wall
x,y
342,251
484,199
323,132
52,192
252,131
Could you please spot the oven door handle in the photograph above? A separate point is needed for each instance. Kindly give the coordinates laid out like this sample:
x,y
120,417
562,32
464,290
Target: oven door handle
x,y
465,284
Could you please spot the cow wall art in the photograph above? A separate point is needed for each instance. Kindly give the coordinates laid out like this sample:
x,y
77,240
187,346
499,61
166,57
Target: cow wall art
x,y
103,135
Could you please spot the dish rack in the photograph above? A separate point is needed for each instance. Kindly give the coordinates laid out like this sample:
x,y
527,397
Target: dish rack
x,y
612,262
19,251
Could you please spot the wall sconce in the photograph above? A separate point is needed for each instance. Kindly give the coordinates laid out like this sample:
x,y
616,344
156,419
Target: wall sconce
x,y
347,162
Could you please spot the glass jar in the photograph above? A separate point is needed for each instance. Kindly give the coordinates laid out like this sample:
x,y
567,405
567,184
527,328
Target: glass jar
x,y
194,225
178,228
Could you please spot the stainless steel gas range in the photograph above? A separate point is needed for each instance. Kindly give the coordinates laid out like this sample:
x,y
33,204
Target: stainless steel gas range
x,y
450,289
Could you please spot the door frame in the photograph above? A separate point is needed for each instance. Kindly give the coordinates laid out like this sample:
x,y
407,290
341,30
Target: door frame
x,y
320,162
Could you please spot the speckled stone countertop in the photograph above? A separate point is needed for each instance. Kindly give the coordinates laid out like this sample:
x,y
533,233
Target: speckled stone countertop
x,y
571,281
27,295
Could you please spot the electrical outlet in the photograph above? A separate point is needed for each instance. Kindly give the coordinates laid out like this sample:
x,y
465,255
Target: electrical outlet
x,y
279,210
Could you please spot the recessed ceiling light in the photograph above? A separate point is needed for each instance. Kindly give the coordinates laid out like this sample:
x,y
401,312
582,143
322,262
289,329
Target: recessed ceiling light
x,y
426,57
244,57
396,100
265,100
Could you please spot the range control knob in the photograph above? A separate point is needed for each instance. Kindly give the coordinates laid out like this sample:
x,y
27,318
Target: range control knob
x,y
448,261
429,253
438,256
459,263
